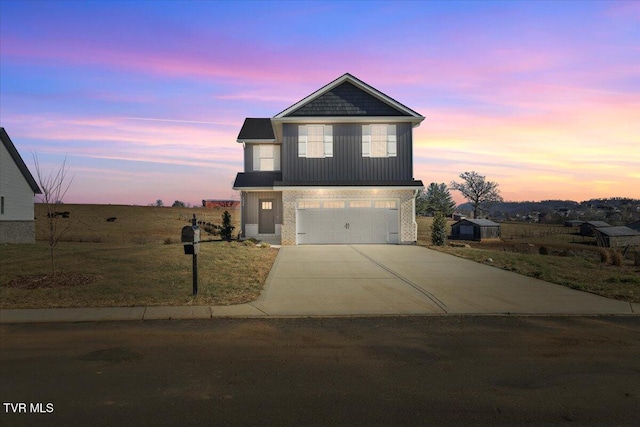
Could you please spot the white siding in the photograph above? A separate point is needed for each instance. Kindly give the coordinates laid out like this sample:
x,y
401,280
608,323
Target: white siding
x,y
18,195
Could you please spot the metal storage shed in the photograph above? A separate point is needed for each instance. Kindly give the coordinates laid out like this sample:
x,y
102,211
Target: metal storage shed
x,y
616,237
586,229
475,229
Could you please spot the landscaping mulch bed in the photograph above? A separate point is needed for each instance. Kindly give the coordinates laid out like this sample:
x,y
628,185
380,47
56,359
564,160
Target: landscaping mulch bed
x,y
39,281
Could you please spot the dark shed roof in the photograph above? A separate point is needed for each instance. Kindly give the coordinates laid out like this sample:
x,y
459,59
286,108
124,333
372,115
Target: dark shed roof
x,y
4,136
256,129
480,222
617,231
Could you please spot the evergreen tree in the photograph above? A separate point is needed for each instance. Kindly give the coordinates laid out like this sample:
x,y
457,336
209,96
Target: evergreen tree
x,y
439,230
436,198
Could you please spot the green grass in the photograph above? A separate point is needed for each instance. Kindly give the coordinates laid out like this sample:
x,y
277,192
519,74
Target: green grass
x,y
131,264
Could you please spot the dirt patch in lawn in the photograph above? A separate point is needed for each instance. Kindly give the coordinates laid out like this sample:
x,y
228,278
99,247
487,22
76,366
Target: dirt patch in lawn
x,y
40,281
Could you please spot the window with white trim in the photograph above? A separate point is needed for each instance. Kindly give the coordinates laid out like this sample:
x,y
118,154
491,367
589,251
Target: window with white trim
x,y
379,141
266,157
315,141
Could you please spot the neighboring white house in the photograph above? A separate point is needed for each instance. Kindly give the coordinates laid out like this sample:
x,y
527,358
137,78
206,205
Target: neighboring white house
x,y
17,190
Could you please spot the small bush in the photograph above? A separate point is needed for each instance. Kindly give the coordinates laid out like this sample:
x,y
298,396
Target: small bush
x,y
616,257
264,245
543,250
248,243
169,241
439,230
605,256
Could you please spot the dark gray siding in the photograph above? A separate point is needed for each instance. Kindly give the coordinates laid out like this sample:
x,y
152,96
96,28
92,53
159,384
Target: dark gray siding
x,y
347,163
248,157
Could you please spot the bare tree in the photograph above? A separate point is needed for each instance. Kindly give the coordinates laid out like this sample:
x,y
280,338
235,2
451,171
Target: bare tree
x,y
477,190
54,187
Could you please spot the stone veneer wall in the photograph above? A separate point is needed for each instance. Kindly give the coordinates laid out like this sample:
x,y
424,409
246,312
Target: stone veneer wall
x,y
17,231
408,225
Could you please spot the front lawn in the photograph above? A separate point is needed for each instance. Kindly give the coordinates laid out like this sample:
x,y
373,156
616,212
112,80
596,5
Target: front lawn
x,y
132,275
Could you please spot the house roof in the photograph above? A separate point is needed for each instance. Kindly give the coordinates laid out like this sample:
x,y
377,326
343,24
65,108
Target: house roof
x,y
348,96
480,222
256,129
256,179
597,224
13,152
617,231
415,183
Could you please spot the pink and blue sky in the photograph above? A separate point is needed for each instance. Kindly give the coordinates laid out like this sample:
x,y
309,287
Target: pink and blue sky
x,y
146,98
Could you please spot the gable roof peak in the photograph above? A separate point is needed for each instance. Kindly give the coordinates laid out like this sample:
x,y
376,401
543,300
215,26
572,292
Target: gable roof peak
x,y
17,159
349,96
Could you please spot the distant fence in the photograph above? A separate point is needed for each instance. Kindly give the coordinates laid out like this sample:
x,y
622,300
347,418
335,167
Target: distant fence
x,y
221,203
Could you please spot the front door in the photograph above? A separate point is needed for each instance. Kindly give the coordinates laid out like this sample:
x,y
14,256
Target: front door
x,y
266,216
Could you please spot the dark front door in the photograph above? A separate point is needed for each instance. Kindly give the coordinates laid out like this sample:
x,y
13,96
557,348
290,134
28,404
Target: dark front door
x,y
266,216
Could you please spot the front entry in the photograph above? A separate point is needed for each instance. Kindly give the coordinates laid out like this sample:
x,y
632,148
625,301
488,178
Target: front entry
x,y
266,216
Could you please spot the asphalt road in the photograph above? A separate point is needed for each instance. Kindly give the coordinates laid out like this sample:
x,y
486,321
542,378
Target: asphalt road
x,y
348,371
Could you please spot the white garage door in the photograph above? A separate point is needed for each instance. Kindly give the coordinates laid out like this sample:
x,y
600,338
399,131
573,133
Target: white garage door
x,y
347,221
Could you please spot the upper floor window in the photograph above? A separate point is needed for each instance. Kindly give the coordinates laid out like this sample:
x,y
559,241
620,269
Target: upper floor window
x,y
315,141
379,141
266,157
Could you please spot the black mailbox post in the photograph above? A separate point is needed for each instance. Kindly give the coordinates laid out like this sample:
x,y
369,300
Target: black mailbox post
x,y
191,241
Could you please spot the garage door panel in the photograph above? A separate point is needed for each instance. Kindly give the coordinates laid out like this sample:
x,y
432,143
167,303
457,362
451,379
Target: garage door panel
x,y
347,225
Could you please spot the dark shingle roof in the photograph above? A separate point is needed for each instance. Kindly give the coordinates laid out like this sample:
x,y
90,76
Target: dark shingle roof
x,y
13,152
346,100
256,179
348,96
256,129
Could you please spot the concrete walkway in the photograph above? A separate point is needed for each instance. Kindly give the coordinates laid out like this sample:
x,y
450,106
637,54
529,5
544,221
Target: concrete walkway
x,y
363,280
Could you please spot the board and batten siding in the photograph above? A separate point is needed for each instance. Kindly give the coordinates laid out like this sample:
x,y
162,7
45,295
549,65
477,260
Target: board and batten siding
x,y
250,200
347,163
14,188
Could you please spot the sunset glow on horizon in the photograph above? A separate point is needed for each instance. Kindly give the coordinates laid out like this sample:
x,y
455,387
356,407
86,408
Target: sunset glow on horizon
x,y
146,99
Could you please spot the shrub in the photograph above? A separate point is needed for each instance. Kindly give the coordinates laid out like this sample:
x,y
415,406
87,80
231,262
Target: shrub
x,y
616,257
264,245
605,256
226,229
439,230
248,243
543,250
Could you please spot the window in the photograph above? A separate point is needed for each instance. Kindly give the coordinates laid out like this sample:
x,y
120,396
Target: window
x,y
385,204
333,205
266,206
359,204
2,205
379,141
266,157
308,205
315,141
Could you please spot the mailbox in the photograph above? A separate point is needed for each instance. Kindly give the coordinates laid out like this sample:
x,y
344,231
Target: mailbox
x,y
191,239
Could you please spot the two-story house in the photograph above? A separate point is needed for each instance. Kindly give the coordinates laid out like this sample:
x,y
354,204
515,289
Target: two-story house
x,y
334,168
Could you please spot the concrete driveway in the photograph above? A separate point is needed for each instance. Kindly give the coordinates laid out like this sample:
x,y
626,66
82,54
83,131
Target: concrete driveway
x,y
392,279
